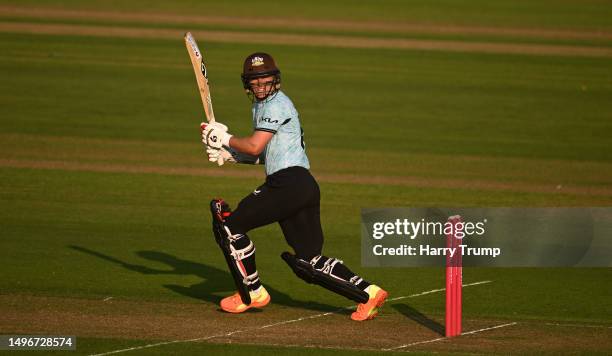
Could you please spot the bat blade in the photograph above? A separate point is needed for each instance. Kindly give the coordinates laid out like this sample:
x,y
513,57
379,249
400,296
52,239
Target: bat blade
x,y
201,74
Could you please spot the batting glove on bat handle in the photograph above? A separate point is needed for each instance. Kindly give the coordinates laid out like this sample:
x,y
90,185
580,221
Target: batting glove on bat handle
x,y
215,135
215,124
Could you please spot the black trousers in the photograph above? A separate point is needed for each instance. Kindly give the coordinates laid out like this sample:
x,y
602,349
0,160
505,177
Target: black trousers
x,y
290,197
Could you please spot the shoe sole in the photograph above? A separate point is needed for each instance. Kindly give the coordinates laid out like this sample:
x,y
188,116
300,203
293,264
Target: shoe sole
x,y
236,311
252,305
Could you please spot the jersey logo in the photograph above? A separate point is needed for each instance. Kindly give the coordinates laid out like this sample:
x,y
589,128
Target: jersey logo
x,y
269,120
256,192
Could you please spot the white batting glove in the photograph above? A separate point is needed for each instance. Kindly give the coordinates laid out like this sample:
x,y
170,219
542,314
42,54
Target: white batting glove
x,y
216,124
220,155
215,135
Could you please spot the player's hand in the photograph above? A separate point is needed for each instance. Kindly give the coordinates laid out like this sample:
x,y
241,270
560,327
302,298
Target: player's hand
x,y
218,125
204,126
215,135
220,155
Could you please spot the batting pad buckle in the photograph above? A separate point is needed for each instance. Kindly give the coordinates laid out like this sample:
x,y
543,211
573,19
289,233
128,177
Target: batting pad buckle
x,y
324,277
251,279
241,254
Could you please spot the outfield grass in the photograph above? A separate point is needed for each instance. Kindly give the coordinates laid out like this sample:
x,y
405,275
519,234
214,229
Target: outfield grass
x,y
590,14
491,105
105,189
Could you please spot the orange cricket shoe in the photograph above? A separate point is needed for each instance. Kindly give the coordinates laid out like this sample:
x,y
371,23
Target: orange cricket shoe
x,y
234,304
369,310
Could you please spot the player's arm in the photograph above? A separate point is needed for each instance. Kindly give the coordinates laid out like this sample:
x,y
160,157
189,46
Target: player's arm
x,y
215,135
226,154
242,150
243,157
252,145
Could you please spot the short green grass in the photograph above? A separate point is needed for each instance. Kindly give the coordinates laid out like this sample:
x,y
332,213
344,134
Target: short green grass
x,y
567,14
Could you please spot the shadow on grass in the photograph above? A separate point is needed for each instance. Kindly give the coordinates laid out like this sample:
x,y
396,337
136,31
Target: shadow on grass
x,y
214,279
419,317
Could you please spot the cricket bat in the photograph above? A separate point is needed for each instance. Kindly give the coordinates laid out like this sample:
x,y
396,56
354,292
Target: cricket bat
x,y
201,75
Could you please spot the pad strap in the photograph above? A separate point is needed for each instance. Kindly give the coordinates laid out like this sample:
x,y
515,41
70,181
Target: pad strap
x,y
324,276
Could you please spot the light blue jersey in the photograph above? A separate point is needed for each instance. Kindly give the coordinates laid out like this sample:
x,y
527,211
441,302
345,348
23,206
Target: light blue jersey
x,y
286,148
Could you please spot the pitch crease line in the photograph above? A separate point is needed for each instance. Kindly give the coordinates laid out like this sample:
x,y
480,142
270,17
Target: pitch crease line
x,y
435,291
445,338
269,325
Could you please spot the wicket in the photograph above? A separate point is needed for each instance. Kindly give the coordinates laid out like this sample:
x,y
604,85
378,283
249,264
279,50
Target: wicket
x,y
453,281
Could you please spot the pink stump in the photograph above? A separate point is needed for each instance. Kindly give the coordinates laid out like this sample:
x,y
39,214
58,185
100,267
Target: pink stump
x,y
454,280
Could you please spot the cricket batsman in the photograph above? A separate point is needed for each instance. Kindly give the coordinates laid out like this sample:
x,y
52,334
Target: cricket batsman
x,y
289,196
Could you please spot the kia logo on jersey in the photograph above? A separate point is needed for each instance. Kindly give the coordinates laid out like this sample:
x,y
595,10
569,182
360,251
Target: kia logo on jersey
x,y
267,119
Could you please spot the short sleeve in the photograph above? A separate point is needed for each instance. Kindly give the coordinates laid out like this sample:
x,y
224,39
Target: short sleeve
x,y
272,119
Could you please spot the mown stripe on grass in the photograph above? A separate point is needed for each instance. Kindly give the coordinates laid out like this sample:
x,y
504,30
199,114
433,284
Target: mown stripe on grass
x,y
409,181
301,23
310,40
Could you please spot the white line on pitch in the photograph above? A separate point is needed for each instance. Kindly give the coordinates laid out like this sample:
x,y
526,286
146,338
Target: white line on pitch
x,y
270,325
435,291
160,344
414,343
580,326
486,329
445,338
